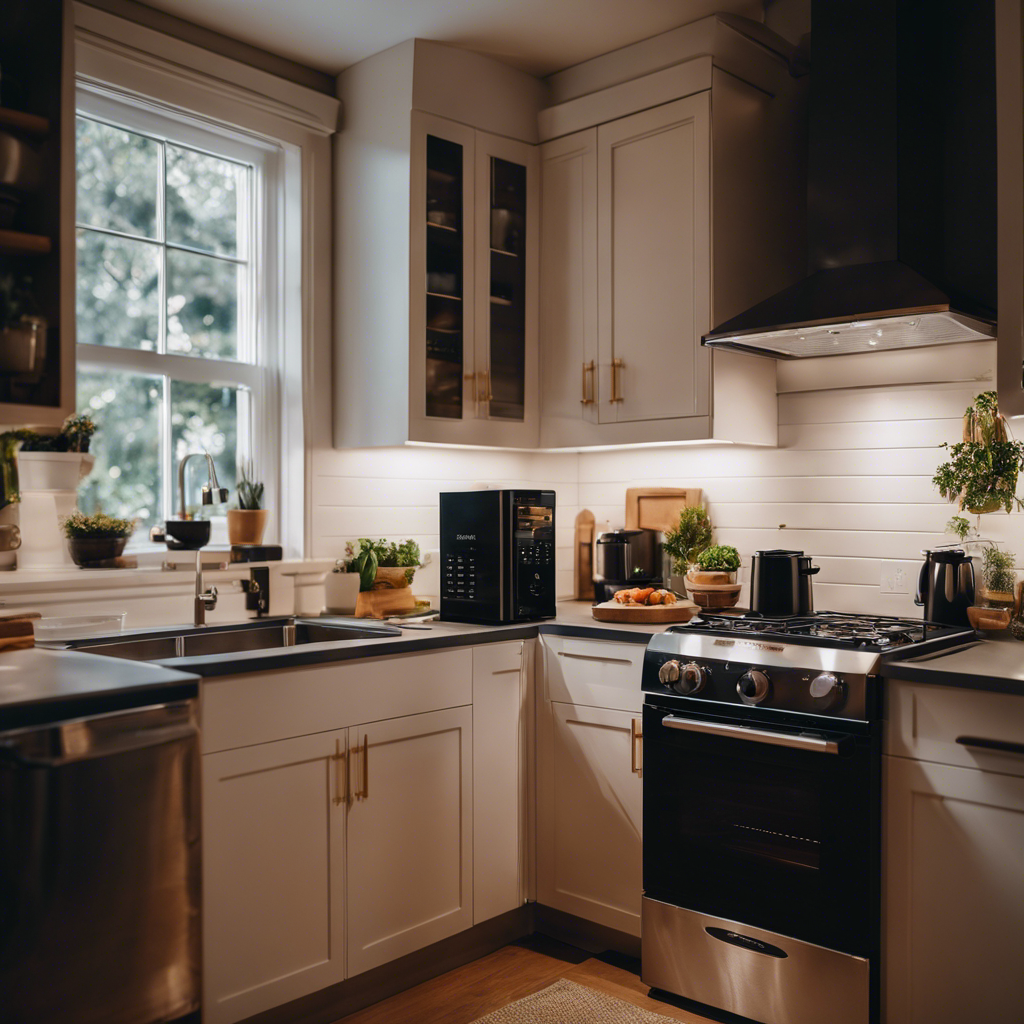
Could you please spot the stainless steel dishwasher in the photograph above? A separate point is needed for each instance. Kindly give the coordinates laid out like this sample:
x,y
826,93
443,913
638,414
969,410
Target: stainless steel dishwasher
x,y
99,869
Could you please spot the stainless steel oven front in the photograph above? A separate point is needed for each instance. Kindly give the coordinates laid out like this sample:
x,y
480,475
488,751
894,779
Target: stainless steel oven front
x,y
761,860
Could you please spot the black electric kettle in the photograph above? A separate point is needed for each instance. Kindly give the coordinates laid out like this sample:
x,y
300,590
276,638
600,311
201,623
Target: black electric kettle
x,y
945,587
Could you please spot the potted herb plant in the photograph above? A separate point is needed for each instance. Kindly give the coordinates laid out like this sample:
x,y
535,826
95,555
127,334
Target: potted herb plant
x,y
994,609
711,581
385,566
54,462
686,540
247,523
96,538
981,475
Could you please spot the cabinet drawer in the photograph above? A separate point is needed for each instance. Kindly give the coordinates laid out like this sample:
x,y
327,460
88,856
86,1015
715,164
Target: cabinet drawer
x,y
238,711
596,673
945,724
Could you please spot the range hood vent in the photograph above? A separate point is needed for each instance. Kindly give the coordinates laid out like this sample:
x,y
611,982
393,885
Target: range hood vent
x,y
901,186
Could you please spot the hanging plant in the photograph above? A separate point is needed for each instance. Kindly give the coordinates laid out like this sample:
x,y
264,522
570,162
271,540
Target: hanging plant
x,y
981,475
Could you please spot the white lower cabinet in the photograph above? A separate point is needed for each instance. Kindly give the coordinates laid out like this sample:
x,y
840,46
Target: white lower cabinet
x,y
589,808
953,864
500,781
410,835
273,874
328,853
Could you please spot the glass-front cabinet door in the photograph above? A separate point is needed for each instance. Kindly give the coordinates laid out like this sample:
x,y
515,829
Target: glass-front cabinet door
x,y
473,287
442,382
506,270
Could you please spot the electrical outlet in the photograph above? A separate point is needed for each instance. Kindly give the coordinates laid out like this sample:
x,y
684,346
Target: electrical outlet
x,y
895,578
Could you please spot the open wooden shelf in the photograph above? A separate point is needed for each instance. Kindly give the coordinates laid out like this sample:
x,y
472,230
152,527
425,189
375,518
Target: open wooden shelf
x,y
31,124
20,242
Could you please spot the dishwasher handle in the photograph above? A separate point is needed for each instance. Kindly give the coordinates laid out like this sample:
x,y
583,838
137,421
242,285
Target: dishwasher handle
x,y
85,739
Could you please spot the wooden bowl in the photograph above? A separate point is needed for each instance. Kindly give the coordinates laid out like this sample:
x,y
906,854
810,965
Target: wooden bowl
x,y
390,577
722,596
989,620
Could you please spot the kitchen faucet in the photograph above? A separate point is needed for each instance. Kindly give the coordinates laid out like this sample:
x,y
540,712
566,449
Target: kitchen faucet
x,y
212,491
205,600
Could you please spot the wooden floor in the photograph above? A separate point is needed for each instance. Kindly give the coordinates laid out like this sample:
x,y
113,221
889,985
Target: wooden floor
x,y
479,988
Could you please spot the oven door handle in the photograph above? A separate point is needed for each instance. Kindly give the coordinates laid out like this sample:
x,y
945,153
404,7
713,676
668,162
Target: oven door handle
x,y
740,732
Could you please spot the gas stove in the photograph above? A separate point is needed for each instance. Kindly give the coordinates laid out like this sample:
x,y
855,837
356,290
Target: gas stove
x,y
811,664
762,797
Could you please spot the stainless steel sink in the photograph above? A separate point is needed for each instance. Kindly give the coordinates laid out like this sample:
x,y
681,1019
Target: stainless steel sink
x,y
159,645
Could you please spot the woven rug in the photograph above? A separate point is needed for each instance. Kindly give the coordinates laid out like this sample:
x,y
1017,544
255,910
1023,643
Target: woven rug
x,y
565,1002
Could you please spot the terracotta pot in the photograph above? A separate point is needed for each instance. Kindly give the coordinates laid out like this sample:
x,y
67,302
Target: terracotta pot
x,y
246,525
392,578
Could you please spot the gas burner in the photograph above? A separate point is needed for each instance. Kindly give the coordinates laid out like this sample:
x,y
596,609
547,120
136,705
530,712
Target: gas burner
x,y
825,629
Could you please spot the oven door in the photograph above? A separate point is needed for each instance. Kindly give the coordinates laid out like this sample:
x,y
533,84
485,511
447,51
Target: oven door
x,y
770,825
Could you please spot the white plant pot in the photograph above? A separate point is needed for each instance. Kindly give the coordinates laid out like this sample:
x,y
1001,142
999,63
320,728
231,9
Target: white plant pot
x,y
53,471
341,591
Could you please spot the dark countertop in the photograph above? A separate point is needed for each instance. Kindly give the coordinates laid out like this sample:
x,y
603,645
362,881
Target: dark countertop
x,y
38,685
983,665
42,685
573,619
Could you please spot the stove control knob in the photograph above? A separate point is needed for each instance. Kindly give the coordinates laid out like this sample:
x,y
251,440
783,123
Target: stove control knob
x,y
669,672
826,690
753,686
691,679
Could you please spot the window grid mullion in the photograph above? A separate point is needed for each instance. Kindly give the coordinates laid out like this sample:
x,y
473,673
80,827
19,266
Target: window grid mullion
x,y
166,454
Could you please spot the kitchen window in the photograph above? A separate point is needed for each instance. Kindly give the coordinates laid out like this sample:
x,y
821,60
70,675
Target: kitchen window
x,y
175,235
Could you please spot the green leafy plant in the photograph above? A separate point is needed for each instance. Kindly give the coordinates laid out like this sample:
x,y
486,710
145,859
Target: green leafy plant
x,y
981,475
959,527
364,556
250,490
997,570
78,524
78,429
684,542
719,558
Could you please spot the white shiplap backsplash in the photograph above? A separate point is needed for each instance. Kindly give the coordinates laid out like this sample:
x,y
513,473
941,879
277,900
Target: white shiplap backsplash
x,y
850,482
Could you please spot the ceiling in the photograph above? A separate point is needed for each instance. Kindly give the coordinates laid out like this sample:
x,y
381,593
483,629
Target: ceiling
x,y
538,36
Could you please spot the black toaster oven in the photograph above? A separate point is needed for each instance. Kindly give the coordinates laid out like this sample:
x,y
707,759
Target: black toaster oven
x,y
497,555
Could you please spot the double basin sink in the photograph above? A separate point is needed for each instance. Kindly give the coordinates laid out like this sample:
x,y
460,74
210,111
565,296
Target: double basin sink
x,y
204,641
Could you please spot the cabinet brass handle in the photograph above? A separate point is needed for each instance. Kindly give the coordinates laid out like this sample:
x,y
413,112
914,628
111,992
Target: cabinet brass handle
x,y
617,365
471,379
366,767
636,738
484,394
339,758
588,393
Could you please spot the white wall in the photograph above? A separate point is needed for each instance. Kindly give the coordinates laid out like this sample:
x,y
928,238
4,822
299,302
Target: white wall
x,y
393,493
849,484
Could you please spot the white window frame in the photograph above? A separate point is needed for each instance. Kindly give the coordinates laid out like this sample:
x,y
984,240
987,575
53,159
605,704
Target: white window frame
x,y
258,399
128,61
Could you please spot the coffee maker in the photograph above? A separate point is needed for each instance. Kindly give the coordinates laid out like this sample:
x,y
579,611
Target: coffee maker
x,y
945,588
626,558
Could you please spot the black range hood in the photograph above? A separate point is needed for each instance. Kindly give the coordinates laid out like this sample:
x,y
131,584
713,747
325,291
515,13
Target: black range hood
x,y
901,185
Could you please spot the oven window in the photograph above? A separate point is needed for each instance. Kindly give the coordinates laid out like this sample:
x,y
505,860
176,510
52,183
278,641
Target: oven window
x,y
772,816
768,835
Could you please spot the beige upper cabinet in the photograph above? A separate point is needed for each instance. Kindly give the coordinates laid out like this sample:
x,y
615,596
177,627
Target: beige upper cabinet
x,y
653,200
436,251
671,200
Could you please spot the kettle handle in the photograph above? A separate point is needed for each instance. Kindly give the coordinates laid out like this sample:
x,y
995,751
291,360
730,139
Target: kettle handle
x,y
922,582
811,570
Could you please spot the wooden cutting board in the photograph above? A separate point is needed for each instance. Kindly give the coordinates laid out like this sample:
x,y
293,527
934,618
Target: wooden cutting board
x,y
583,557
658,508
612,611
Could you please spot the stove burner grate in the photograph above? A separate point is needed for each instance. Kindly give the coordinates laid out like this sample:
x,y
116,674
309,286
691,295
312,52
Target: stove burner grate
x,y
841,629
